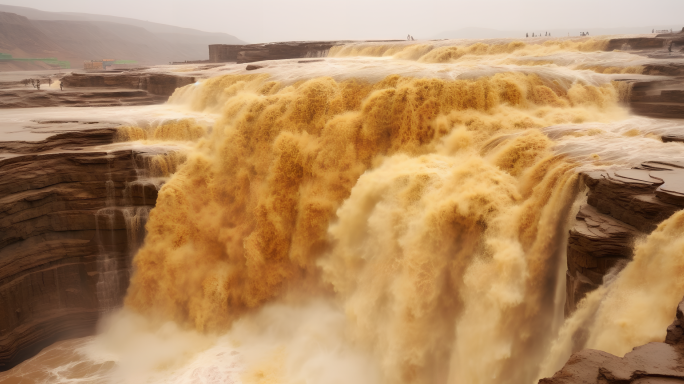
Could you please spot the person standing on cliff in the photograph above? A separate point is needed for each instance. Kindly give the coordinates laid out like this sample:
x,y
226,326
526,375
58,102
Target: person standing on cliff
x,y
60,86
38,84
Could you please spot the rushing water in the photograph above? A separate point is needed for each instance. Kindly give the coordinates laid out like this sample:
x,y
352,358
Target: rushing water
x,y
396,213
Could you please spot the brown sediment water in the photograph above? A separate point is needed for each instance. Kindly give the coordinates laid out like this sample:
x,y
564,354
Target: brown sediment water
x,y
437,52
634,306
376,229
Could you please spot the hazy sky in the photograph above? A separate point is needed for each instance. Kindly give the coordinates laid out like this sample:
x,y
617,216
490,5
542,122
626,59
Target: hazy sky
x,y
282,20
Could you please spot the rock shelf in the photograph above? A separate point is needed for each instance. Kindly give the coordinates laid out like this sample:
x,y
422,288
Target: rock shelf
x,y
71,215
621,205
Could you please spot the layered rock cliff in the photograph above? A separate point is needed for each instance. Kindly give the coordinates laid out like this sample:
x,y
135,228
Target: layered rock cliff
x,y
160,84
95,90
660,98
223,53
621,205
29,98
71,214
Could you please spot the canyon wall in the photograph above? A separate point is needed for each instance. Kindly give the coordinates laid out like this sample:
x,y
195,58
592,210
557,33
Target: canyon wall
x,y
621,205
69,222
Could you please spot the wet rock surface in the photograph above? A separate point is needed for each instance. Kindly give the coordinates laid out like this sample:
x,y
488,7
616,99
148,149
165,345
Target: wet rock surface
x,y
70,215
221,53
635,43
77,98
660,98
248,53
653,363
158,84
621,205
95,90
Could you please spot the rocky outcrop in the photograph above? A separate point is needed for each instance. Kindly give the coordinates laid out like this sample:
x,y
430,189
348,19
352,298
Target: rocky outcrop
x,y
222,53
280,51
160,84
95,90
635,43
71,216
653,363
675,332
219,53
71,140
32,98
669,69
660,98
627,203
620,206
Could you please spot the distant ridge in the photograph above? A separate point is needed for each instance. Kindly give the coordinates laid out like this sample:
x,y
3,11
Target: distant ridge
x,y
28,32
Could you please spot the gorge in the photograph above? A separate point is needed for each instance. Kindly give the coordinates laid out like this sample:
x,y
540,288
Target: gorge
x,y
448,211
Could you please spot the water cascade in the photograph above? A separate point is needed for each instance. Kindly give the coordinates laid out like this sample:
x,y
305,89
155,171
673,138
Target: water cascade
x,y
108,285
405,223
131,208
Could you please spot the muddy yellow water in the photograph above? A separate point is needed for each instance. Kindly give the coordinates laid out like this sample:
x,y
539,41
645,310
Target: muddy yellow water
x,y
403,221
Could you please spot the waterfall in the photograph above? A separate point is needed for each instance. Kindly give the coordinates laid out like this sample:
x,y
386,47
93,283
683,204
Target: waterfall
x,y
114,262
400,216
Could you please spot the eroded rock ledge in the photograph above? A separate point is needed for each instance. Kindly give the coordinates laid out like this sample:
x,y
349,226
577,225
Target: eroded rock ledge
x,y
96,90
653,363
159,84
248,53
66,209
20,98
621,205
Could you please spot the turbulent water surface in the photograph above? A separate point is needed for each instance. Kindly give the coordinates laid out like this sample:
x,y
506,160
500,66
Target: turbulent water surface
x,y
396,213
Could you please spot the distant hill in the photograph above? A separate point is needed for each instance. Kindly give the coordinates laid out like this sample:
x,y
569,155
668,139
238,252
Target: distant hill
x,y
19,37
486,33
27,32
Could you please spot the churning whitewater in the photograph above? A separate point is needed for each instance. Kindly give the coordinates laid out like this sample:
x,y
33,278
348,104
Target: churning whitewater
x,y
397,213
